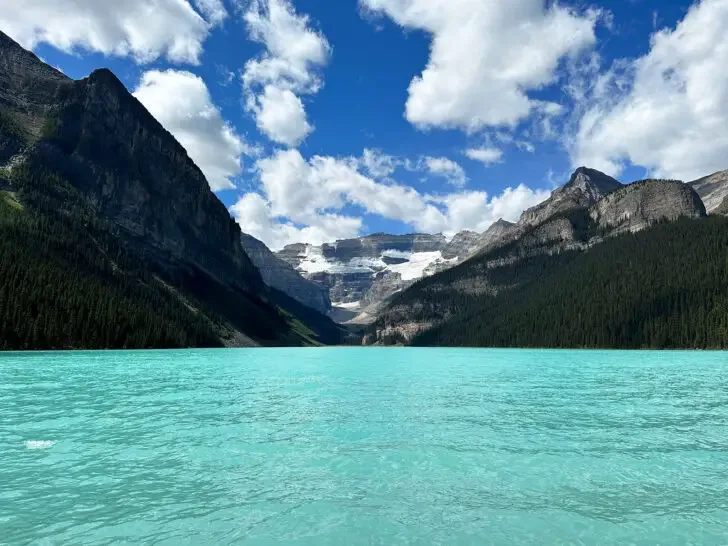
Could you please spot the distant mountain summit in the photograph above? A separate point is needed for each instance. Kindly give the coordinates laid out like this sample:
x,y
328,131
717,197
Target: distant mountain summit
x,y
361,273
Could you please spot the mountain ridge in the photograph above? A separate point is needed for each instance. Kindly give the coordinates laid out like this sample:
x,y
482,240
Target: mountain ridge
x,y
563,227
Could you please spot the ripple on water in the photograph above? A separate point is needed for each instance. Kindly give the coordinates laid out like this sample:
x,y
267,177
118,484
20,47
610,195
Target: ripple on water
x,y
364,446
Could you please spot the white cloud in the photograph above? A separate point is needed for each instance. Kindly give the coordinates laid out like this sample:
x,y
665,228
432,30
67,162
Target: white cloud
x,y
181,102
476,211
378,164
485,56
487,156
287,69
140,29
447,168
313,194
255,217
213,10
666,111
280,115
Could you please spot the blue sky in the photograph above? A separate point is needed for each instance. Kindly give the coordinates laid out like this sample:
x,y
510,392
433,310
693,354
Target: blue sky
x,y
318,119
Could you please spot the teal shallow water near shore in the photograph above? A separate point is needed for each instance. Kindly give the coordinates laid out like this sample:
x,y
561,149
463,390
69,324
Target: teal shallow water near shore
x,y
364,446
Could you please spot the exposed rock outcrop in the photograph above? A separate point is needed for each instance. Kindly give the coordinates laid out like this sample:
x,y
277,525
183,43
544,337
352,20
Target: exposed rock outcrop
x,y
638,205
713,190
494,235
461,245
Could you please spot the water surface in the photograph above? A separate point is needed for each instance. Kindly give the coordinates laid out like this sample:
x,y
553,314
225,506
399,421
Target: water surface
x,y
364,446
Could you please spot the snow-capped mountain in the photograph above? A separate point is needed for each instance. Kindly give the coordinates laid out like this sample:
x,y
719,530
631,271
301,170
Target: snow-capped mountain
x,y
361,273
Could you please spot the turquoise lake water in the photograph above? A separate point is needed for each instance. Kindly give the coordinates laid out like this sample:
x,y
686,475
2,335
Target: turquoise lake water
x,y
364,446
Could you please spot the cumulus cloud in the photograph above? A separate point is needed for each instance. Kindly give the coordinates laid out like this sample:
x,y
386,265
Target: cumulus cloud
x,y
274,82
139,29
213,10
253,213
280,115
666,111
297,194
476,210
487,156
181,102
486,56
378,164
447,168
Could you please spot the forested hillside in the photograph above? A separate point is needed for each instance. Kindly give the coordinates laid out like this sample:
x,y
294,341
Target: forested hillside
x,y
665,287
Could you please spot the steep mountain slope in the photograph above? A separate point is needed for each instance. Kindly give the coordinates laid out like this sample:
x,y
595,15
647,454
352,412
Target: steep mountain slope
x,y
665,287
713,190
85,156
528,250
281,275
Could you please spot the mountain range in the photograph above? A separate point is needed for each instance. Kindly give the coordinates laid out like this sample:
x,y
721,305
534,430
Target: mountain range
x,y
598,264
110,237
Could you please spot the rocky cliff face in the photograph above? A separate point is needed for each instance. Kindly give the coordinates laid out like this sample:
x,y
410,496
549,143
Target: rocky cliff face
x,y
88,148
281,275
461,244
713,190
148,186
639,205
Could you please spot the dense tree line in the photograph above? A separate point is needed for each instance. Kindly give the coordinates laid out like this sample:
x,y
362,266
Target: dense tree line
x,y
62,288
665,287
67,280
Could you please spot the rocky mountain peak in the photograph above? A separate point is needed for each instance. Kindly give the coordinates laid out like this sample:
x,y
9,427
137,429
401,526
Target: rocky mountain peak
x,y
584,188
460,245
495,233
19,61
28,88
592,183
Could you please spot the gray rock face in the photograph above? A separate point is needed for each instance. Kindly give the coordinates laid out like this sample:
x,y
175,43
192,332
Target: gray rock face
x,y
637,206
584,189
461,245
713,190
496,233
27,90
281,275
372,246
149,187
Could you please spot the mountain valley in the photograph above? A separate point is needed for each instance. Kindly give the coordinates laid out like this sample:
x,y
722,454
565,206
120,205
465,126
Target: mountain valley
x,y
112,238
